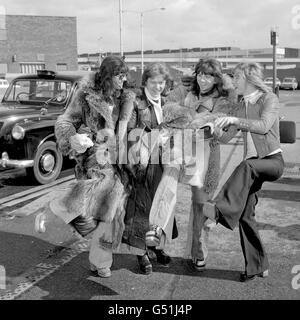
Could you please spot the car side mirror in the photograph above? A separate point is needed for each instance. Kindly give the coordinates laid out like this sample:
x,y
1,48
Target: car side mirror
x,y
287,131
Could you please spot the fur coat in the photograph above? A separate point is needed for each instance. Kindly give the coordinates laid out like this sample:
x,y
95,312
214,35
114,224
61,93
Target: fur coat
x,y
101,189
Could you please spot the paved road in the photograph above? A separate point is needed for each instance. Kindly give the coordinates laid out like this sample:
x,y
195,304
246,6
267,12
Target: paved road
x,y
54,265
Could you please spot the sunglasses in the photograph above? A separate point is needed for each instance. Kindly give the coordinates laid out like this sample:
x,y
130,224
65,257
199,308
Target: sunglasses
x,y
206,76
121,76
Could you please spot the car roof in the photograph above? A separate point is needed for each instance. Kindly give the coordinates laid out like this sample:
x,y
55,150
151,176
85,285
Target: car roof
x,y
67,75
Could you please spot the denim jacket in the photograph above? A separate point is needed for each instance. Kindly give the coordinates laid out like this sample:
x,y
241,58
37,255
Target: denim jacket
x,y
262,122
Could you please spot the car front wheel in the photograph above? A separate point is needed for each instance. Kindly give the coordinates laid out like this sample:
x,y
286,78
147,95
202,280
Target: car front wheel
x,y
47,163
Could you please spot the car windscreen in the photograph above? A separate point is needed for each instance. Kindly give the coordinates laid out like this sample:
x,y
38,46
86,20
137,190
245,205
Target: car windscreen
x,y
38,90
288,79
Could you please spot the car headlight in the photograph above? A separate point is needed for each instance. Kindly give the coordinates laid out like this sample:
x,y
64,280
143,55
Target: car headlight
x,y
18,132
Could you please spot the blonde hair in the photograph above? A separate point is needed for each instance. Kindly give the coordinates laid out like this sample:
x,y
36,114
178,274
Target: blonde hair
x,y
253,72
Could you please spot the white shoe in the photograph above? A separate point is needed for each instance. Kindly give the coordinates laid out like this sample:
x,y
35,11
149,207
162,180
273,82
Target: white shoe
x,y
153,236
102,272
39,223
198,264
264,274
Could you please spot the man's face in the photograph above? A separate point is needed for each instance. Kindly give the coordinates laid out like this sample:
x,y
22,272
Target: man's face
x,y
205,81
156,85
239,81
119,80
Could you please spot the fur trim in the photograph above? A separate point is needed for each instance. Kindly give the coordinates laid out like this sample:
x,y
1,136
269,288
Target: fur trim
x,y
213,170
127,105
177,116
63,132
97,103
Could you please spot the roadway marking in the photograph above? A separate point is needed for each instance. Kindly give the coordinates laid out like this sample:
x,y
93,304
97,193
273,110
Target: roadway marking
x,y
42,270
35,189
29,197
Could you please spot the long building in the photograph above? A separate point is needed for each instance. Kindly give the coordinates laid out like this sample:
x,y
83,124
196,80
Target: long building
x,y
288,59
29,43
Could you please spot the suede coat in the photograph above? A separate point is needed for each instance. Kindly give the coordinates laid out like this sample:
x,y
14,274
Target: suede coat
x,y
215,105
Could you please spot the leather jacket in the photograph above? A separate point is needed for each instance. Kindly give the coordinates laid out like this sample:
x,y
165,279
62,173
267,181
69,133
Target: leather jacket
x,y
262,121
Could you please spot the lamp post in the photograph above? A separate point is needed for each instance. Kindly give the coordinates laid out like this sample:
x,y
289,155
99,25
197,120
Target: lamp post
x,y
99,57
274,43
141,13
121,26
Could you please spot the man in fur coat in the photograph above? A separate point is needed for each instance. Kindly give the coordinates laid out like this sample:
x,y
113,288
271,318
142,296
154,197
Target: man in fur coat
x,y
87,132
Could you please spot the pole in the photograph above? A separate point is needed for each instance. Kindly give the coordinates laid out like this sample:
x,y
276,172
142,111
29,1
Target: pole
x,y
99,57
181,57
274,42
274,68
142,44
121,26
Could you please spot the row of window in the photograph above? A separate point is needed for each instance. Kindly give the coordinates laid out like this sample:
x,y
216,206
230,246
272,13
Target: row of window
x,y
33,67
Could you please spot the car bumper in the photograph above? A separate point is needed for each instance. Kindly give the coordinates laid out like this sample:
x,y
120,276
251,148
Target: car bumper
x,y
287,87
5,162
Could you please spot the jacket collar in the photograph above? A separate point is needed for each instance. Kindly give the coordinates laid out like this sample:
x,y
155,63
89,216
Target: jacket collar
x,y
252,97
101,105
146,103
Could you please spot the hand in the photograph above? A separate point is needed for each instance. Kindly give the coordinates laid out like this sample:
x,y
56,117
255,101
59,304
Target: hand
x,y
217,132
164,135
81,142
224,122
227,82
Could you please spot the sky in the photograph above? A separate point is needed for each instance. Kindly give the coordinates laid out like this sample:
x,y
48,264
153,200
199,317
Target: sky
x,y
183,23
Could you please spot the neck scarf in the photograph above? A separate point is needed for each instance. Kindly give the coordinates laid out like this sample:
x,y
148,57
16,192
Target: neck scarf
x,y
156,105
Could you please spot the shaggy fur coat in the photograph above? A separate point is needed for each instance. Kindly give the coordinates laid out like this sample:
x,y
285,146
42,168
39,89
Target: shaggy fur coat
x,y
101,188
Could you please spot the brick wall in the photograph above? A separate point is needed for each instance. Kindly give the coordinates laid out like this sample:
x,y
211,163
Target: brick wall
x,y
38,38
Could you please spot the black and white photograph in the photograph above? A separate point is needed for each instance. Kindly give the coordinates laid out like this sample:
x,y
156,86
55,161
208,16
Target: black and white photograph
x,y
150,153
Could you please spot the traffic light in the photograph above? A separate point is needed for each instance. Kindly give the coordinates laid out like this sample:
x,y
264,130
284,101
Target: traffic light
x,y
274,38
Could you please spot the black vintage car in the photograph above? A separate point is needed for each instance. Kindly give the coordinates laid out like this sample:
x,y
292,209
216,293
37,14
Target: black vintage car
x,y
28,112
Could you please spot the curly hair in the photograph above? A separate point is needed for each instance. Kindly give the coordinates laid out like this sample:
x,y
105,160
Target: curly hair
x,y
155,69
210,66
253,72
110,66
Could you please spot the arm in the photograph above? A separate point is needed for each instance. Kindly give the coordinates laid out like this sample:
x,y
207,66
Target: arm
x,y
229,106
270,112
68,123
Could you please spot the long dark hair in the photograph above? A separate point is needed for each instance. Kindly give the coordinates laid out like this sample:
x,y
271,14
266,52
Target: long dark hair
x,y
110,66
210,66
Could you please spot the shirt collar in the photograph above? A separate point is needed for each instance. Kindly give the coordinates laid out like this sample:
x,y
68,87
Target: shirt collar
x,y
252,97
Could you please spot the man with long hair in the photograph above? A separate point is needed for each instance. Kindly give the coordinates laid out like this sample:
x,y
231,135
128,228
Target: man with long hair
x,y
258,119
99,112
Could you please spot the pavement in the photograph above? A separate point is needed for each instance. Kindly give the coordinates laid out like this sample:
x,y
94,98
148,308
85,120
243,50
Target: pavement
x,y
54,265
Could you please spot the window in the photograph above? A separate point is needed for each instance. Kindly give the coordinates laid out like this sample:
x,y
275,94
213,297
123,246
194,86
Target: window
x,y
31,67
61,67
39,90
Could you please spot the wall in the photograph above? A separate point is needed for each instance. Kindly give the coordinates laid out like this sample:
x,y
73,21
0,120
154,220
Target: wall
x,y
40,39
